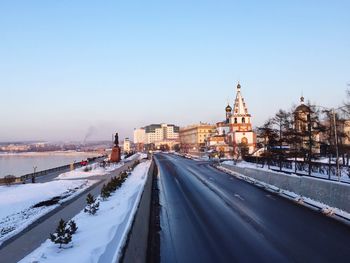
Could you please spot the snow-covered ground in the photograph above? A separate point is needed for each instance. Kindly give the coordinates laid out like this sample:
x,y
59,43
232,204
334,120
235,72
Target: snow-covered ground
x,y
136,156
96,170
100,238
17,201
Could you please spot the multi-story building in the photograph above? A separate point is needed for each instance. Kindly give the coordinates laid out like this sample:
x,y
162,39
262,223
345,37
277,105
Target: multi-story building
x,y
139,139
127,145
157,135
139,135
194,138
161,132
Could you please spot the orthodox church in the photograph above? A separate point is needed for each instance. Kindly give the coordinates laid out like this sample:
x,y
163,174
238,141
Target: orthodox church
x,y
236,130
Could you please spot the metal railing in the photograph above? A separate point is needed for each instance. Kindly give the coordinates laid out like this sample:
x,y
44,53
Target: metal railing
x,y
47,171
328,171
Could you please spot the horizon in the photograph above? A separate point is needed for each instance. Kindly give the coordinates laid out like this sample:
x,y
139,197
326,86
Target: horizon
x,y
86,69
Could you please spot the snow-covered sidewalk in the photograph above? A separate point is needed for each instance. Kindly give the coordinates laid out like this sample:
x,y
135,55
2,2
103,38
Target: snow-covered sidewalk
x,y
20,204
100,237
243,164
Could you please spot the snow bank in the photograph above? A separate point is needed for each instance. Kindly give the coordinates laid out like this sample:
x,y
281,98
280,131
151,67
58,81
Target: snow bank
x,y
99,238
142,156
16,211
96,170
243,164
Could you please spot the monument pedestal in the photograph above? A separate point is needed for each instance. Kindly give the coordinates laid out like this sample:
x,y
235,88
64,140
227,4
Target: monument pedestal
x,y
115,155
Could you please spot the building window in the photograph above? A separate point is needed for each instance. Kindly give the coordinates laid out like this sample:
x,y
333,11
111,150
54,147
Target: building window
x,y
235,120
244,141
243,120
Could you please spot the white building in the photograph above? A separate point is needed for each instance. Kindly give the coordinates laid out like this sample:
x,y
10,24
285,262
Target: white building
x,y
139,136
241,132
127,145
161,132
156,135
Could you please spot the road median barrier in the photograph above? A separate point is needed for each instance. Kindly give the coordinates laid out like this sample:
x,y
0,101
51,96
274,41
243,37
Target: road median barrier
x,y
136,247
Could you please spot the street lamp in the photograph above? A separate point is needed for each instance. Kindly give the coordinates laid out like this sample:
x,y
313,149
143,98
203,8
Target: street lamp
x,y
33,176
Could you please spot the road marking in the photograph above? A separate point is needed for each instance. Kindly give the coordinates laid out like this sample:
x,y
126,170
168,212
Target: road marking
x,y
239,197
270,196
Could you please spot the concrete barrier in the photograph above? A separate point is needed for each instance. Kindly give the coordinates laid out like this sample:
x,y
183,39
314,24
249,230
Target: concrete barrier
x,y
331,193
135,250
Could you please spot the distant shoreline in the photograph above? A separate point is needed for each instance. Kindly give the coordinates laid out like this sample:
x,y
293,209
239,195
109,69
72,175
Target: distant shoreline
x,y
66,153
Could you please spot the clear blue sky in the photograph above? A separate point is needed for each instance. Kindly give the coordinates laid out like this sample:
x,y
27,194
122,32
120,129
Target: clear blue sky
x,y
66,66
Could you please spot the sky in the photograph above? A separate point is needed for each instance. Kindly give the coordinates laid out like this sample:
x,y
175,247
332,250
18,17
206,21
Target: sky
x,y
74,68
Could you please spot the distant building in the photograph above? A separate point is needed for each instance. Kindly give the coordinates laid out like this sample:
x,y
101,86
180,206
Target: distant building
x,y
161,132
303,123
156,136
241,131
235,132
301,116
194,138
127,145
345,128
139,139
139,135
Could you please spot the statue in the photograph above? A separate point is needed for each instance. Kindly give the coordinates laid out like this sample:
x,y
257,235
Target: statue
x,y
116,140
115,155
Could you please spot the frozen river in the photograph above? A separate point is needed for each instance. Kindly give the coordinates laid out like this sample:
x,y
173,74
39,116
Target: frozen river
x,y
21,164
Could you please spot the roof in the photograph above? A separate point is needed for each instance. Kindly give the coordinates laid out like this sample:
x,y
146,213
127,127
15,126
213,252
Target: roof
x,y
240,107
302,108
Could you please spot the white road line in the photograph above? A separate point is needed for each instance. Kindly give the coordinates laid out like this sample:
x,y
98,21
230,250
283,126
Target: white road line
x,y
239,197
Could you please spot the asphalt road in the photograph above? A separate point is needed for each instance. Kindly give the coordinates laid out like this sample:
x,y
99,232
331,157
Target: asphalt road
x,y
209,216
31,238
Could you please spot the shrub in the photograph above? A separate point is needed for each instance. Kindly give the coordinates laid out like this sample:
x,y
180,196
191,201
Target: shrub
x,y
72,226
87,168
105,192
63,235
92,205
9,179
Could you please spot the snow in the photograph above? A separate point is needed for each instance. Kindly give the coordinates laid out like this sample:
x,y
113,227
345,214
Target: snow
x,y
142,156
16,201
100,238
344,178
136,156
96,170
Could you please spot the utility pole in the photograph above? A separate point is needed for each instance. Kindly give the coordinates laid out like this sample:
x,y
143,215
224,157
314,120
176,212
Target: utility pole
x,y
280,153
336,143
310,140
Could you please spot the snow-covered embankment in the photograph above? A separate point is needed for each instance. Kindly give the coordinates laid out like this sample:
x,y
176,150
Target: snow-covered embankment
x,y
101,237
21,205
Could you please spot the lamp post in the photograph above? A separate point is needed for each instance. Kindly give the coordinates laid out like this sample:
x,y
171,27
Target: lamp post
x,y
33,176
